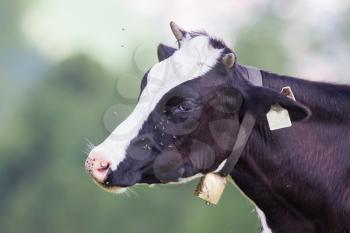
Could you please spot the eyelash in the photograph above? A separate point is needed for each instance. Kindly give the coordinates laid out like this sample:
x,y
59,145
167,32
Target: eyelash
x,y
185,106
181,108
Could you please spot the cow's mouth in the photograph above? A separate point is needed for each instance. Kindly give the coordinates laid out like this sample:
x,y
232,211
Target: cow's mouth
x,y
111,189
100,180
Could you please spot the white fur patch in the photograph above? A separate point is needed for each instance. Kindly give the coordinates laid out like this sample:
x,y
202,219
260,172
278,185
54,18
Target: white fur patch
x,y
221,166
187,179
260,213
262,217
195,58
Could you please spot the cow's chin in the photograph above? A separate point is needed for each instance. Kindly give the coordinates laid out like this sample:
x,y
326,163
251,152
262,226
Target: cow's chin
x,y
120,190
115,189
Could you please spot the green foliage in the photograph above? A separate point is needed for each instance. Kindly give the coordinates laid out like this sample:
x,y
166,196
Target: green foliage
x,y
259,45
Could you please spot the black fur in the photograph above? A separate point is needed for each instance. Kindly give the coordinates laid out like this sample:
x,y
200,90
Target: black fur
x,y
164,51
299,176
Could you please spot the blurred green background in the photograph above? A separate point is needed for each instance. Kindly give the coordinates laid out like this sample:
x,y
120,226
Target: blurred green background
x,y
70,71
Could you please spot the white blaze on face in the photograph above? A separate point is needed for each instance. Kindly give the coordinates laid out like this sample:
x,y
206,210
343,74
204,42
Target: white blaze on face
x,y
195,58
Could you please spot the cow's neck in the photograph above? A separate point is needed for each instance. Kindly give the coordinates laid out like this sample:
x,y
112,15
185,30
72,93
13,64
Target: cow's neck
x,y
281,170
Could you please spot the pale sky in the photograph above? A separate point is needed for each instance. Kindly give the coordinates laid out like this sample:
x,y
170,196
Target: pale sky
x,y
110,30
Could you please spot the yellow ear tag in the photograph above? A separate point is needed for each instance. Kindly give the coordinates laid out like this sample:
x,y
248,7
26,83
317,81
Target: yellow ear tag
x,y
278,117
210,188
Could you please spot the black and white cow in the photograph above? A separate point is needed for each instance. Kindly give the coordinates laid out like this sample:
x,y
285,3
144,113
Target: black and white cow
x,y
186,122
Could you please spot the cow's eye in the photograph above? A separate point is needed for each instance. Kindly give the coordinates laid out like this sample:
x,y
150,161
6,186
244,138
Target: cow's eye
x,y
187,105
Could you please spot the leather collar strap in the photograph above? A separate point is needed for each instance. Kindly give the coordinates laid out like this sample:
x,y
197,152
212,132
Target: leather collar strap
x,y
246,128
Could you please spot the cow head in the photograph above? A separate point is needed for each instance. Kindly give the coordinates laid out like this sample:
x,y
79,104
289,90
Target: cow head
x,y
186,119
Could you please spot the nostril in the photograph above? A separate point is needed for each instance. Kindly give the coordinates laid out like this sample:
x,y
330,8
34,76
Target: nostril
x,y
103,166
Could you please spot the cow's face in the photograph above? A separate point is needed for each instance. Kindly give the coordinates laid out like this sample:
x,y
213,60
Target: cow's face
x,y
184,123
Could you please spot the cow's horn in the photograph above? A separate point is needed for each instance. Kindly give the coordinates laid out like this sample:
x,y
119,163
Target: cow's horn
x,y
229,60
179,33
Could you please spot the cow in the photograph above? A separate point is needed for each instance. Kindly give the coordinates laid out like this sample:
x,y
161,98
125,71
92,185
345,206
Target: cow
x,y
186,121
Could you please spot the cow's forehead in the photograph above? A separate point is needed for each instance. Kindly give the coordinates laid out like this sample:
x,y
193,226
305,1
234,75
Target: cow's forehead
x,y
195,58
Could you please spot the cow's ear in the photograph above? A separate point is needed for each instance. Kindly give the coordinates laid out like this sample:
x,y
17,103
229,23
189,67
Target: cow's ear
x,y
259,100
164,52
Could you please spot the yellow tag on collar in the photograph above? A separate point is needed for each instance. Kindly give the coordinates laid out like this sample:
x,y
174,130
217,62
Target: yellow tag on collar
x,y
210,188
